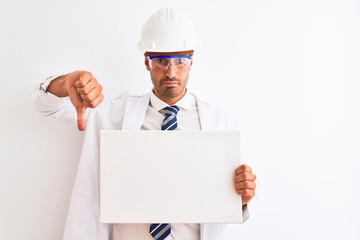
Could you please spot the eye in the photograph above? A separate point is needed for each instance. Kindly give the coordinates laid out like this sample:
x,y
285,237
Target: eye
x,y
179,61
162,61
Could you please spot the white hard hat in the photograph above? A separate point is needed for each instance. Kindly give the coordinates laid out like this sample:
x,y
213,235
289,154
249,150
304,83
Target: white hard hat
x,y
168,30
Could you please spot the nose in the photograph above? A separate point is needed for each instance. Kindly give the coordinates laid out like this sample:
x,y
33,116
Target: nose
x,y
170,71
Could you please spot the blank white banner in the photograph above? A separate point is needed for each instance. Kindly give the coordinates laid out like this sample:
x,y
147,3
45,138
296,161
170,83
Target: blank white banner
x,y
169,176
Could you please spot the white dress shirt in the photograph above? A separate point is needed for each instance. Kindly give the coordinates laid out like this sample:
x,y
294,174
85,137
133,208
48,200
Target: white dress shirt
x,y
188,119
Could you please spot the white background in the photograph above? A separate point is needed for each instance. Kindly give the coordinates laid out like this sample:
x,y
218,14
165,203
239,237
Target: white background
x,y
288,69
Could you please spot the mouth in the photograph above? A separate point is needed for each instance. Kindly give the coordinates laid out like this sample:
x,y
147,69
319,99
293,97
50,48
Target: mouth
x,y
170,83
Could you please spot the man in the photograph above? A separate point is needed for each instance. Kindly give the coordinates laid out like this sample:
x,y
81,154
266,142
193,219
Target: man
x,y
168,41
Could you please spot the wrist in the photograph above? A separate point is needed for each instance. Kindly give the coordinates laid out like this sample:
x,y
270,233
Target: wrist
x,y
59,86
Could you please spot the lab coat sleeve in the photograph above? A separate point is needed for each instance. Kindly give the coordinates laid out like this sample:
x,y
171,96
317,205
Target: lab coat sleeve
x,y
49,105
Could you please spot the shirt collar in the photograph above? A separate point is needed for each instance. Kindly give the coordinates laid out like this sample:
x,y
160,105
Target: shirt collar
x,y
184,103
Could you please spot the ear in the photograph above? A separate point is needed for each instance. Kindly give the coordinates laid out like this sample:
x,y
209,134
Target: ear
x,y
146,61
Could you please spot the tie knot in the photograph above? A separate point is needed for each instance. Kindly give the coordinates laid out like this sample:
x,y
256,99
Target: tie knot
x,y
171,110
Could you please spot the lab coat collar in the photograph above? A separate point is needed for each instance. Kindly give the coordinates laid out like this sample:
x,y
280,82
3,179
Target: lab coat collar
x,y
136,108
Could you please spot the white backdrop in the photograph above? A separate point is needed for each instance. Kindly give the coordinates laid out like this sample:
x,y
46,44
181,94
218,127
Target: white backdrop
x,y
288,69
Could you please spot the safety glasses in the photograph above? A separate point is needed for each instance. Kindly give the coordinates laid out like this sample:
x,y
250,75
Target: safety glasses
x,y
180,62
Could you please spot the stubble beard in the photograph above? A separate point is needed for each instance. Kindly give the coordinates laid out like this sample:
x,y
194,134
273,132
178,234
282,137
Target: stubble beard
x,y
171,92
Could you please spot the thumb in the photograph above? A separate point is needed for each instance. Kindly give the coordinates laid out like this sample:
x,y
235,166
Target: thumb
x,y
81,117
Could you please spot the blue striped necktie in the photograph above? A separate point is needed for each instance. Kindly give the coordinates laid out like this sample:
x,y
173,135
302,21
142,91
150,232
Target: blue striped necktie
x,y
170,120
159,231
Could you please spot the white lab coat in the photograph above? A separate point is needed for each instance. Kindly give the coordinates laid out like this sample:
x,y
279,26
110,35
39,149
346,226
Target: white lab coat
x,y
127,113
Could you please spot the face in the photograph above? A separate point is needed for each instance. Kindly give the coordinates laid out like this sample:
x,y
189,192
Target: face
x,y
169,83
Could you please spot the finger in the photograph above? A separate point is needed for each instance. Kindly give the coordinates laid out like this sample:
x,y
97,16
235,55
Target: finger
x,y
81,117
84,79
246,193
75,98
246,197
245,176
245,185
95,102
243,168
92,85
92,94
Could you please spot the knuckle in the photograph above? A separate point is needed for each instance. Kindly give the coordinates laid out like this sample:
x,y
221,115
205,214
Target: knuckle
x,y
87,73
247,192
92,104
242,167
246,168
84,97
80,90
246,175
100,98
241,192
248,184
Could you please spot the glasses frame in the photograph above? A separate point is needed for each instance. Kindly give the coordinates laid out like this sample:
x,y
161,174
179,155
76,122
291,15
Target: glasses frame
x,y
169,56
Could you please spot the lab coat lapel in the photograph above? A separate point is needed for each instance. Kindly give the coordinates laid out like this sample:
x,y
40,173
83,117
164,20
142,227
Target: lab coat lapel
x,y
135,112
207,121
